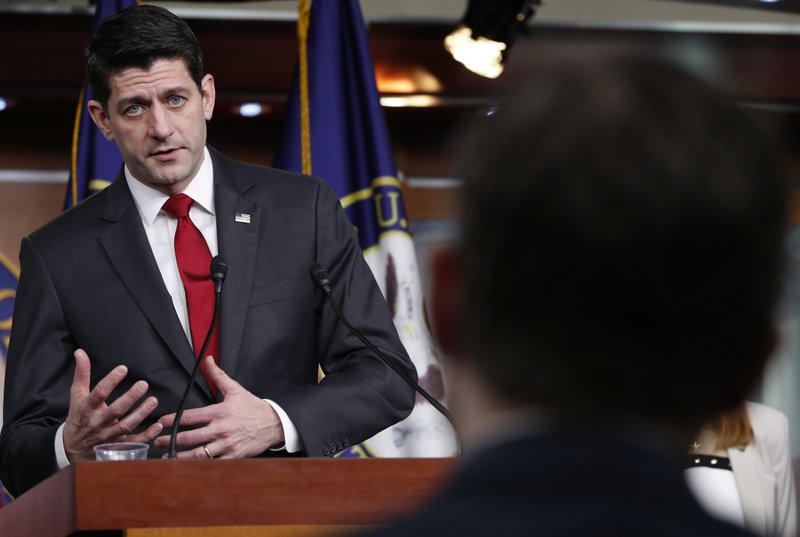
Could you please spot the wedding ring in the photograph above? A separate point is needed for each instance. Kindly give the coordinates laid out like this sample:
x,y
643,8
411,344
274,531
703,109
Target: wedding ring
x,y
208,454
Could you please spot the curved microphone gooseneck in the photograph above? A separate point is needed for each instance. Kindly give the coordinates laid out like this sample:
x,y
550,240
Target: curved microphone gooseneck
x,y
218,271
321,279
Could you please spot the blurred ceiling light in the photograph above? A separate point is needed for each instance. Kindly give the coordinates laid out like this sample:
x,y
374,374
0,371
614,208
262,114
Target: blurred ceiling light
x,y
410,101
3,104
484,38
482,56
250,109
397,78
395,84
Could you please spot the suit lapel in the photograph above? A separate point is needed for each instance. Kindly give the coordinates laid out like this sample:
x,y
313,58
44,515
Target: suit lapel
x,y
238,220
749,476
128,249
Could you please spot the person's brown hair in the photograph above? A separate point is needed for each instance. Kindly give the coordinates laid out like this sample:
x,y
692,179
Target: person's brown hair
x,y
138,36
732,429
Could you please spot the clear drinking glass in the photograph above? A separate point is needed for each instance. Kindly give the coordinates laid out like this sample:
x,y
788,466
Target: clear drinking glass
x,y
121,451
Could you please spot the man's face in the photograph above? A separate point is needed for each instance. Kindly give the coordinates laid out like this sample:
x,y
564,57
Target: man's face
x,y
158,119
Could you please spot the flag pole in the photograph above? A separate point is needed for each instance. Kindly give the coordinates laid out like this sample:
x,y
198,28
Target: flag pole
x,y
72,189
304,15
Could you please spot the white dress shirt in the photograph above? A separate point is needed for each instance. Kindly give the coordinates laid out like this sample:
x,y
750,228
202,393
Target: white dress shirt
x,y
159,226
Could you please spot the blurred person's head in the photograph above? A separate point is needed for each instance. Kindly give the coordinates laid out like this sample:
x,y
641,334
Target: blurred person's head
x,y
621,249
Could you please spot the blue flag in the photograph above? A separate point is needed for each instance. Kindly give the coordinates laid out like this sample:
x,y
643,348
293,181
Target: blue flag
x,y
350,148
95,160
95,163
9,274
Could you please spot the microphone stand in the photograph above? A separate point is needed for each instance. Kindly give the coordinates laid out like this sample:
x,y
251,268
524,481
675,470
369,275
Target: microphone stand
x,y
320,277
218,271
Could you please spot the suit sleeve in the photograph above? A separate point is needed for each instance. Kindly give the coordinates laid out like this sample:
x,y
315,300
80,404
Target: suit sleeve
x,y
359,395
38,377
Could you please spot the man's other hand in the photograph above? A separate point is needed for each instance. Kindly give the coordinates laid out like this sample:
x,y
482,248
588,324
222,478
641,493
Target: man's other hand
x,y
242,425
92,420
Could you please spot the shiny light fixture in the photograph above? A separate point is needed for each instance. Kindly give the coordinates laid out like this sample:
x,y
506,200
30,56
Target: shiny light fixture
x,y
486,33
250,109
410,101
3,104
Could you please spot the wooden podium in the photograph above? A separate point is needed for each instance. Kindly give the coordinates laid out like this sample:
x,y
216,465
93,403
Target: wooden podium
x,y
264,497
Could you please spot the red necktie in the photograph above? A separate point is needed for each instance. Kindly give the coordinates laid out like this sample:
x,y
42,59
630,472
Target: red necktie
x,y
194,264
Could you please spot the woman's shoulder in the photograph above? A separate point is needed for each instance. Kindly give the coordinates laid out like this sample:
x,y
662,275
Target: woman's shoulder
x,y
770,429
763,415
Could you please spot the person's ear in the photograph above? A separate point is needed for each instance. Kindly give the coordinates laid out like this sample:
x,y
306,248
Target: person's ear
x,y
447,300
209,94
100,118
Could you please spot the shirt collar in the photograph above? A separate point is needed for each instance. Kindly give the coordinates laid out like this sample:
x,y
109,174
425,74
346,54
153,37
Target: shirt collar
x,y
149,200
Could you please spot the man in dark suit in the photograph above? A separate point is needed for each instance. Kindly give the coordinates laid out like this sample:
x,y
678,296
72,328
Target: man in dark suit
x,y
112,282
612,288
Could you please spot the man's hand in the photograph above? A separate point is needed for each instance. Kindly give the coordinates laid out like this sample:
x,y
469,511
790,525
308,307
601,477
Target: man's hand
x,y
92,420
242,425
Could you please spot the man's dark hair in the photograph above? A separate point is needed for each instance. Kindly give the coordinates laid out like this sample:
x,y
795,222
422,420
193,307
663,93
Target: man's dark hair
x,y
623,229
136,37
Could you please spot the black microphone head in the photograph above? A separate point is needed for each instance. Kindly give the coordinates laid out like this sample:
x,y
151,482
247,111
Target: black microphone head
x,y
320,277
219,268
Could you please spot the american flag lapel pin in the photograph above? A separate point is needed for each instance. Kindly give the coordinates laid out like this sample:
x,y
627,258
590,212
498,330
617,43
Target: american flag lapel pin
x,y
242,218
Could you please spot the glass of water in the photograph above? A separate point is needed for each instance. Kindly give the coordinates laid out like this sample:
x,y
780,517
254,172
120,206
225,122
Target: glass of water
x,y
121,451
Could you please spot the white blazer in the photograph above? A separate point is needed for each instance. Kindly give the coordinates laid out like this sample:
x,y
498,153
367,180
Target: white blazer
x,y
763,474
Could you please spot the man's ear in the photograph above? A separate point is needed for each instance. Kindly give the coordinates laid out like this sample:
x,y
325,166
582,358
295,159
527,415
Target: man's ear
x,y
447,300
209,94
100,118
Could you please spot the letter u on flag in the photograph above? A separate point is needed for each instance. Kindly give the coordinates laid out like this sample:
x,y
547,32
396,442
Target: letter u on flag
x,y
95,160
340,131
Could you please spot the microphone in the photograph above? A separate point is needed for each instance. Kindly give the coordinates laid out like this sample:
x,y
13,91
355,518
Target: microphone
x,y
321,279
218,271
